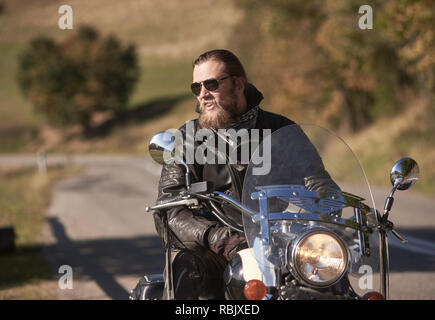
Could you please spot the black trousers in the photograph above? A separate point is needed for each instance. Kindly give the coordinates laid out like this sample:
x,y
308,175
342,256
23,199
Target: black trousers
x,y
198,274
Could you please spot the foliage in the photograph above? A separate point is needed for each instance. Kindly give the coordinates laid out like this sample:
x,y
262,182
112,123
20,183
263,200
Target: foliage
x,y
318,63
69,81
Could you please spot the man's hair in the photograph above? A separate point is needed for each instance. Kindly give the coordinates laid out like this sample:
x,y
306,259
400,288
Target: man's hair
x,y
232,63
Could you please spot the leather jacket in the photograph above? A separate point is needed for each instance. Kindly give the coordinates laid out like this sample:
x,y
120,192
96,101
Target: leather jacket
x,y
190,229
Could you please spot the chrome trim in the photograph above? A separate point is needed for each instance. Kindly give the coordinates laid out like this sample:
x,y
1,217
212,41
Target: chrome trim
x,y
323,205
185,202
362,237
236,204
326,218
339,200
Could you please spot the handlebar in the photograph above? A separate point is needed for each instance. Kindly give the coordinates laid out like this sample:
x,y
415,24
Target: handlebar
x,y
194,202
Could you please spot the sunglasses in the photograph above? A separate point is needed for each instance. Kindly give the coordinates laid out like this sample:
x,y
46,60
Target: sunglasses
x,y
209,84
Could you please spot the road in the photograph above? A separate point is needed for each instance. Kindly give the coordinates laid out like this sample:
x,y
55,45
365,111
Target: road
x,y
97,225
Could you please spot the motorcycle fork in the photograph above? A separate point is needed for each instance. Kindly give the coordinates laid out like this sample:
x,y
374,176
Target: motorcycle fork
x,y
168,270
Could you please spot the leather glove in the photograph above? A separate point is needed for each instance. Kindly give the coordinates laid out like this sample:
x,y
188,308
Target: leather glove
x,y
321,184
224,241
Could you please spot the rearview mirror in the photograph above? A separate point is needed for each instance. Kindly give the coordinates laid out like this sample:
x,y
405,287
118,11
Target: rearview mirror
x,y
162,147
404,173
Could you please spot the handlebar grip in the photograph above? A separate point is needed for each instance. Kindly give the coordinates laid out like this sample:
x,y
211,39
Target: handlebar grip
x,y
171,204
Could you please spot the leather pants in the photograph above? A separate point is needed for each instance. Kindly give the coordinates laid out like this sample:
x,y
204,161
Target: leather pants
x,y
198,274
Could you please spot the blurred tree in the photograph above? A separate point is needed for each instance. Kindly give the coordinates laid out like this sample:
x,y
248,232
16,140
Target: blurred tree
x,y
71,80
317,64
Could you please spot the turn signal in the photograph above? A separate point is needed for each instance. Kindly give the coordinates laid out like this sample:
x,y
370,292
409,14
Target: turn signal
x,y
373,296
255,290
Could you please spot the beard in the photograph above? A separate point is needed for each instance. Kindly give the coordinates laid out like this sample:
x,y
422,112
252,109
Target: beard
x,y
222,116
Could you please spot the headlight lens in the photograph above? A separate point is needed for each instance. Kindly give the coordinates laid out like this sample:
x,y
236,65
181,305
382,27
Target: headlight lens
x,y
319,258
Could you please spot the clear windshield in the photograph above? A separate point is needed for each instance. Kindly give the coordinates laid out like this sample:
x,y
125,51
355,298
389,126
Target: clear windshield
x,y
315,182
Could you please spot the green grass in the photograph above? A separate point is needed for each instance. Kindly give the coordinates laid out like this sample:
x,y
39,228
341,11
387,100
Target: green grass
x,y
167,35
24,198
162,77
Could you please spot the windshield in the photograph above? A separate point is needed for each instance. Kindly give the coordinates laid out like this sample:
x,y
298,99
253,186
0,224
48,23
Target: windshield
x,y
315,184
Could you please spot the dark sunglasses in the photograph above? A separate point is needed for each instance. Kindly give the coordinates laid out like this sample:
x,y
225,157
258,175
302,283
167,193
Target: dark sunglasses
x,y
209,84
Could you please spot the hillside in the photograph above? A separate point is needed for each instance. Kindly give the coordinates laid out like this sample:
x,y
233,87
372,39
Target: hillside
x,y
168,36
409,134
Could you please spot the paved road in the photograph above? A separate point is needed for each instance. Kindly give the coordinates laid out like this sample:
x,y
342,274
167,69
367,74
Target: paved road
x,y
96,224
412,265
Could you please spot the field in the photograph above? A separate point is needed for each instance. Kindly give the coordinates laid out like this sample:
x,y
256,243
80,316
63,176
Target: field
x,y
167,35
24,196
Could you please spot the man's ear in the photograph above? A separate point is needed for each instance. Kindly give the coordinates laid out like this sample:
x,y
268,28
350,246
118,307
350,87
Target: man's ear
x,y
241,84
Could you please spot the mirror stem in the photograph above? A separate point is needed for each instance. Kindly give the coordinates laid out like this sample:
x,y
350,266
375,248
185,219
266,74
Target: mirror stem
x,y
389,202
187,174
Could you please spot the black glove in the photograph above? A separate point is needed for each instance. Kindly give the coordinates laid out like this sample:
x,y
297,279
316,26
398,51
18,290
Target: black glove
x,y
224,241
322,183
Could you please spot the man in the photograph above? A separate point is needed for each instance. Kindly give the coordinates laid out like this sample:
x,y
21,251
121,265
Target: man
x,y
202,244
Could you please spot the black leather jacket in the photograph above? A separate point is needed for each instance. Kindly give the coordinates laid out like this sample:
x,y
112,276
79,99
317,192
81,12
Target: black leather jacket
x,y
189,228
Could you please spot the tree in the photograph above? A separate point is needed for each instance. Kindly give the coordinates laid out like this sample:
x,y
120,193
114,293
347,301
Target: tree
x,y
318,65
69,81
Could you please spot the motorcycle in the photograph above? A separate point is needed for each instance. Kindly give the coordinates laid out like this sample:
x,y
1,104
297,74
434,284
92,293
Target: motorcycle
x,y
307,240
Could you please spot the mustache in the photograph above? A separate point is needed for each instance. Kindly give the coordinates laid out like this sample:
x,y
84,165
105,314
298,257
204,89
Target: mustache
x,y
208,101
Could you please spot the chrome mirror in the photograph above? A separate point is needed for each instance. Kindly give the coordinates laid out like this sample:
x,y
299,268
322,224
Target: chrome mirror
x,y
162,147
404,173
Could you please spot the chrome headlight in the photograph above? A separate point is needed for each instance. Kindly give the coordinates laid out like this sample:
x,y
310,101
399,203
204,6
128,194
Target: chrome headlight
x,y
319,258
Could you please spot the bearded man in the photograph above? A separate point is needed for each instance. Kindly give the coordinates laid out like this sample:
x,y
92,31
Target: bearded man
x,y
202,245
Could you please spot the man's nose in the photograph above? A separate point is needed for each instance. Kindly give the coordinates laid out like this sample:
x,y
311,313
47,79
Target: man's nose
x,y
204,92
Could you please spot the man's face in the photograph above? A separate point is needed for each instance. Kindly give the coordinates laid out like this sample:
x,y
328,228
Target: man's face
x,y
218,109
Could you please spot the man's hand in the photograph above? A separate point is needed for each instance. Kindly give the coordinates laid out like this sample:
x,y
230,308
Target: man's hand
x,y
322,183
223,241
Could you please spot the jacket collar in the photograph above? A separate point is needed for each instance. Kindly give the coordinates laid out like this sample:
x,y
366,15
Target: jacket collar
x,y
249,118
253,96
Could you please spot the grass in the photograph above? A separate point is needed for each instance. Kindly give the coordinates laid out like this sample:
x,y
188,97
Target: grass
x,y
377,148
24,197
162,77
408,134
167,35
132,138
